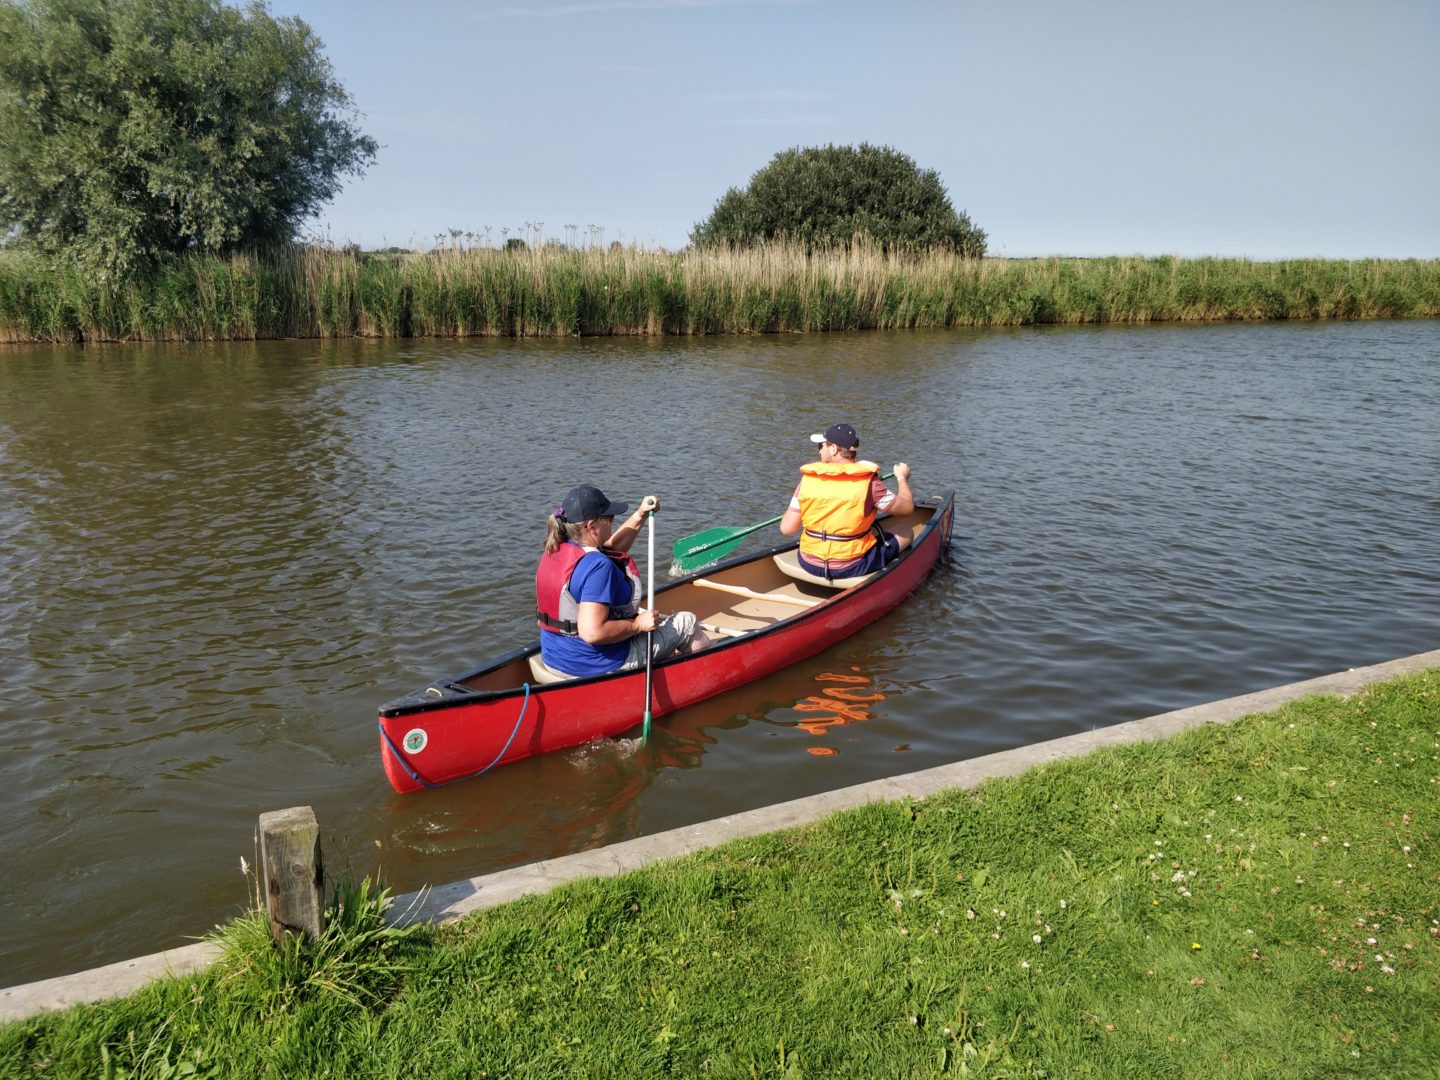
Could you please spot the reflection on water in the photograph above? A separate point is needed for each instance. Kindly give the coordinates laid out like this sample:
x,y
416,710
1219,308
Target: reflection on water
x,y
844,705
217,561
573,802
835,706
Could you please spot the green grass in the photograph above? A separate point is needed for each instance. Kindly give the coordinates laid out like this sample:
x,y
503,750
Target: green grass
x,y
353,961
1250,900
319,292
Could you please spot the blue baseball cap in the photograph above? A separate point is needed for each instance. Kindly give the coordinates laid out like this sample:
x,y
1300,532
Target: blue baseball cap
x,y
587,502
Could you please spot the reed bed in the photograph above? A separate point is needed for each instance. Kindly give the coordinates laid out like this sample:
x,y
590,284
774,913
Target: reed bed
x,y
308,291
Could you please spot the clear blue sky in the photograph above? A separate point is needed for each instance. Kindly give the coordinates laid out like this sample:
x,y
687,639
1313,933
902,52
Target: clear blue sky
x,y
1259,128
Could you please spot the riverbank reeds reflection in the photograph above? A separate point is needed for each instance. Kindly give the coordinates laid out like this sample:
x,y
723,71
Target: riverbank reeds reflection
x,y
307,291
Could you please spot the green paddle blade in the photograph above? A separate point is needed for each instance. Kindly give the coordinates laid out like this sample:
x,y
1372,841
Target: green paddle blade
x,y
702,548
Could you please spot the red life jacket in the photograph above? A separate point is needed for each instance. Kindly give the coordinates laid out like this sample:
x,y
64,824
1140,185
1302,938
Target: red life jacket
x,y
556,608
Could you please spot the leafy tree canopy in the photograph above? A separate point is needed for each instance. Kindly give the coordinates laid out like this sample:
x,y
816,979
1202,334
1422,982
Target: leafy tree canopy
x,y
130,129
832,194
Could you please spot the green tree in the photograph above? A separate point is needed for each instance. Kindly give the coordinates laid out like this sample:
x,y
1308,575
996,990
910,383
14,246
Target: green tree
x,y
131,129
832,194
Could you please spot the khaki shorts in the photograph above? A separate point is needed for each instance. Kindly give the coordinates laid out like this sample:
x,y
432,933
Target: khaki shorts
x,y
670,637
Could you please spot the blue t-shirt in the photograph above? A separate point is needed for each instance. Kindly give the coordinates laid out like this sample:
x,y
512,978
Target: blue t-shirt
x,y
596,580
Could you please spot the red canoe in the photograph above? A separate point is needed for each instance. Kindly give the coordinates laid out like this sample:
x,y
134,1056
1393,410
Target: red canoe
x,y
760,616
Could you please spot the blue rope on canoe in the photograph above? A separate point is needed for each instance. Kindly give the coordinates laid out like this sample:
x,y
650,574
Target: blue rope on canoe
x,y
459,779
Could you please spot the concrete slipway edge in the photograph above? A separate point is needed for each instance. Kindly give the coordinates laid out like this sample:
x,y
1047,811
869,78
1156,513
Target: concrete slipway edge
x,y
445,902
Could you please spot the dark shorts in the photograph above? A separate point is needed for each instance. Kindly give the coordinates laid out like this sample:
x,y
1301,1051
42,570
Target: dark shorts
x,y
872,560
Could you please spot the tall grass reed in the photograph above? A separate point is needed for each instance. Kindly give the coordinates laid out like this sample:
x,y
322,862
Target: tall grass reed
x,y
314,291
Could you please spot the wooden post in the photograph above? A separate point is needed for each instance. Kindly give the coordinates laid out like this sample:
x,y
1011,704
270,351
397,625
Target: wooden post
x,y
293,872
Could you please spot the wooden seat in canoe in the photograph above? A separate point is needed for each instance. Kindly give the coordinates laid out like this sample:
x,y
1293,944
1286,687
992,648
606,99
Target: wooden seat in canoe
x,y
789,563
543,674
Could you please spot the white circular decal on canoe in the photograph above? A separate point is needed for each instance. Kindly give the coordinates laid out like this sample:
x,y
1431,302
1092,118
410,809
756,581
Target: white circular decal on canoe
x,y
415,740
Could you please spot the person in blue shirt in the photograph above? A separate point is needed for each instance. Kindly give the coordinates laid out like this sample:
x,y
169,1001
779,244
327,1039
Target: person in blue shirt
x,y
588,591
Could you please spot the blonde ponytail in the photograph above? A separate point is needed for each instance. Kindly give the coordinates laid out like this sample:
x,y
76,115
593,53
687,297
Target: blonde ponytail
x,y
558,531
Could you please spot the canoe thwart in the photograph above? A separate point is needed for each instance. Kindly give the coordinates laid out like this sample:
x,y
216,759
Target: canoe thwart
x,y
722,631
741,590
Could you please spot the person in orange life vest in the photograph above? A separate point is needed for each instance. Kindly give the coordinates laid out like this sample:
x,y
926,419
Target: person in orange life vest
x,y
835,506
588,591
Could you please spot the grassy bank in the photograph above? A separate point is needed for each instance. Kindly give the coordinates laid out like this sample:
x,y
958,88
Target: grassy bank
x,y
1259,899
320,292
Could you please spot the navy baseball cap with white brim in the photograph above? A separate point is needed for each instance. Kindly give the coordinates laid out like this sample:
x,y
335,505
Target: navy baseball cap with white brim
x,y
842,435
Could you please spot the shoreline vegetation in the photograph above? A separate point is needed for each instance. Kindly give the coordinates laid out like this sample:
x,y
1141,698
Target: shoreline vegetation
x,y
1241,900
310,291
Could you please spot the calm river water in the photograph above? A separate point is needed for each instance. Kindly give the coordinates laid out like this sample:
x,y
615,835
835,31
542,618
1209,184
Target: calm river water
x,y
216,561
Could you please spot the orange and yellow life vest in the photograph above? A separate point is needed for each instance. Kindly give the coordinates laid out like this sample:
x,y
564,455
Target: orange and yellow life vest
x,y
832,496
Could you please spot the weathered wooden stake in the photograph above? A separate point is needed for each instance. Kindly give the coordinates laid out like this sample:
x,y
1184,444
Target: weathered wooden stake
x,y
293,872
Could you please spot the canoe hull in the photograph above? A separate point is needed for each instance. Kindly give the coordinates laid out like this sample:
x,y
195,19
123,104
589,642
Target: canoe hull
x,y
448,732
